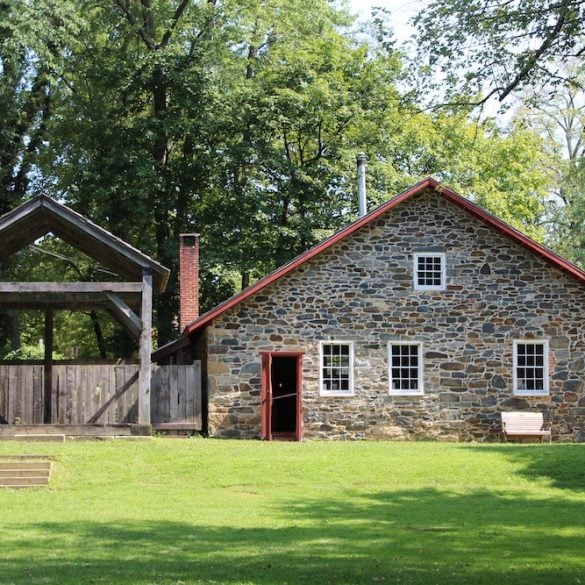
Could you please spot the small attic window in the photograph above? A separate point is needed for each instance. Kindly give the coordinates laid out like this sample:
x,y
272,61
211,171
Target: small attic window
x,y
429,271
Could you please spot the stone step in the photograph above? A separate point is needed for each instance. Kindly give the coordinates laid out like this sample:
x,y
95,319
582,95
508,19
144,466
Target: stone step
x,y
87,430
24,481
20,486
22,472
36,438
35,465
27,457
11,430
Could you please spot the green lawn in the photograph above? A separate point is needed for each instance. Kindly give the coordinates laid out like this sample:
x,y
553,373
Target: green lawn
x,y
208,511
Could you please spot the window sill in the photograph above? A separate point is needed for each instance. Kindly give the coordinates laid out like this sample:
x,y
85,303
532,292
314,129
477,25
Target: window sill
x,y
531,393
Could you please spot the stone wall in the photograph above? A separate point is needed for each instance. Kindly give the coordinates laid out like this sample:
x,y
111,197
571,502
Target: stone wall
x,y
361,290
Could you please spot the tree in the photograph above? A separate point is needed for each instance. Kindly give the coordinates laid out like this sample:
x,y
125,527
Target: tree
x,y
504,171
561,122
241,120
474,50
32,38
178,113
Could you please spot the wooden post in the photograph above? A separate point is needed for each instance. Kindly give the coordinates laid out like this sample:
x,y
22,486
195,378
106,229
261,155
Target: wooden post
x,y
47,416
145,350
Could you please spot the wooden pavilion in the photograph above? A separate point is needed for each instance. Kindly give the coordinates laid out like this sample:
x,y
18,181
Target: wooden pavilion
x,y
128,300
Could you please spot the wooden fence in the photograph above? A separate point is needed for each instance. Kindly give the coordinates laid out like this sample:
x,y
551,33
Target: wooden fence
x,y
100,394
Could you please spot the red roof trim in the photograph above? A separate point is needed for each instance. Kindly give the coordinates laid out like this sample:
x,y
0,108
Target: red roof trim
x,y
428,183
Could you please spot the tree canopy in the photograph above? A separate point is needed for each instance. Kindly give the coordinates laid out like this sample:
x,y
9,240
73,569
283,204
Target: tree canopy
x,y
476,49
240,120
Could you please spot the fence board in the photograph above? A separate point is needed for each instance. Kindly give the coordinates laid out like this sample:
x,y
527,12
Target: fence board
x,y
3,395
195,384
38,392
173,392
176,395
190,392
12,394
81,390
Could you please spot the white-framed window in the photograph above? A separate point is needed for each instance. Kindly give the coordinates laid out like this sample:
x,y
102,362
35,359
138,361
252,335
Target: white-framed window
x,y
530,367
405,367
429,271
336,368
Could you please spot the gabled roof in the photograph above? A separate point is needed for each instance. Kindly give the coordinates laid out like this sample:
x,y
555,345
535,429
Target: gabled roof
x,y
427,184
42,215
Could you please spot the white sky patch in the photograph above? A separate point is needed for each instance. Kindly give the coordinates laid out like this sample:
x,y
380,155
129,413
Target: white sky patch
x,y
401,13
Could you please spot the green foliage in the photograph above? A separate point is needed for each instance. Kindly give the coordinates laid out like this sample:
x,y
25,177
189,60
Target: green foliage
x,y
495,47
232,512
30,352
32,38
569,219
560,122
240,121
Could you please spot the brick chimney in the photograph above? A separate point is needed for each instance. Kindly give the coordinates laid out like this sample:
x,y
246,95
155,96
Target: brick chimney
x,y
188,279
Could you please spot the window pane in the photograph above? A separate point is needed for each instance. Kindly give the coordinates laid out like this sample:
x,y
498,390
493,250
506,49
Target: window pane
x,y
429,271
335,367
404,370
530,367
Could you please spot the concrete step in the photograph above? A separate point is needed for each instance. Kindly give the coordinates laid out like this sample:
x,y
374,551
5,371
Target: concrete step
x,y
36,438
24,481
26,457
20,486
33,465
87,430
21,471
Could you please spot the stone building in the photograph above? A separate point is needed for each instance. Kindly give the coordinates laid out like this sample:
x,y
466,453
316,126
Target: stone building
x,y
426,318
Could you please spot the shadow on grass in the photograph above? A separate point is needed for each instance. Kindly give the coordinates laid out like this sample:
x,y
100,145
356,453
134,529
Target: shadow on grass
x,y
422,536
563,465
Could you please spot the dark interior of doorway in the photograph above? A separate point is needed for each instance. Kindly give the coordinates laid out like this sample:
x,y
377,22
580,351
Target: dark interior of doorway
x,y
284,395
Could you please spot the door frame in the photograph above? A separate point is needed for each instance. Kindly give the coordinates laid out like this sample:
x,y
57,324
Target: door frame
x,y
266,402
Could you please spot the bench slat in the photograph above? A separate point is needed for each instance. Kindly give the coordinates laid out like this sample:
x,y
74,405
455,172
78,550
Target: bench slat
x,y
524,424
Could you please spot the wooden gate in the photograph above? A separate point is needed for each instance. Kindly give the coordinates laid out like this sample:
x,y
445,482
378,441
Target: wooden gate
x,y
100,394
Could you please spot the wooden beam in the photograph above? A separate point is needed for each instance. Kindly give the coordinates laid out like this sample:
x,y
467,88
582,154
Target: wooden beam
x,y
43,215
70,287
108,403
62,302
124,315
47,412
145,350
67,295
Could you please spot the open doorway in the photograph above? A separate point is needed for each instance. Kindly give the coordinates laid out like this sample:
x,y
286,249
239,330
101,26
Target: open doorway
x,y
281,396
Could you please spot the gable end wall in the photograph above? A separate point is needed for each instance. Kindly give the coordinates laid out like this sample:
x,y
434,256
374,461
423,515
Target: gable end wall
x,y
361,290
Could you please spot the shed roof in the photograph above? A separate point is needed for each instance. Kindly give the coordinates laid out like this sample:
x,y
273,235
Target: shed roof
x,y
42,215
426,184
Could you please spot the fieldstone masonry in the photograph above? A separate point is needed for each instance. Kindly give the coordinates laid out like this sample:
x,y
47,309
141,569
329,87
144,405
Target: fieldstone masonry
x,y
361,290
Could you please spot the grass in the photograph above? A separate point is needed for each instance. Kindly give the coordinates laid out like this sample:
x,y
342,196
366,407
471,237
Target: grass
x,y
207,511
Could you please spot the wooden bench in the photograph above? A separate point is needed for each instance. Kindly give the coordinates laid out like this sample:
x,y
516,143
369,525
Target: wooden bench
x,y
519,425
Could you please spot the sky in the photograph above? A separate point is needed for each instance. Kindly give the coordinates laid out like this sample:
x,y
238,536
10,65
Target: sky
x,y
401,10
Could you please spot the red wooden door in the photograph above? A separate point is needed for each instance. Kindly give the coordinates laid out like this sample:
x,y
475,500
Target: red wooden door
x,y
266,431
299,430
268,399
